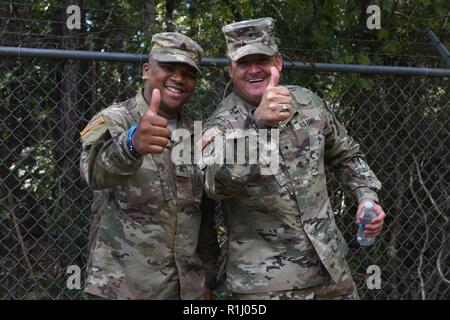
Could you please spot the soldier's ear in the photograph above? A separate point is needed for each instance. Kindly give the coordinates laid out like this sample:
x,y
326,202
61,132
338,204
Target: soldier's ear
x,y
279,62
230,68
146,71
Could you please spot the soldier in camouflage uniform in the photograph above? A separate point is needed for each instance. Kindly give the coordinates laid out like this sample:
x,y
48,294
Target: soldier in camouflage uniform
x,y
283,238
147,238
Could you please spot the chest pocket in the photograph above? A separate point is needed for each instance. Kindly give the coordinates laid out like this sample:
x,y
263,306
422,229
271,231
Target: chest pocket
x,y
145,186
189,186
295,149
302,150
316,151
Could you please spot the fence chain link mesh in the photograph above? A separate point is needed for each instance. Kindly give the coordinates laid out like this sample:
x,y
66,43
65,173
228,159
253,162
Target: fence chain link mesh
x,y
401,123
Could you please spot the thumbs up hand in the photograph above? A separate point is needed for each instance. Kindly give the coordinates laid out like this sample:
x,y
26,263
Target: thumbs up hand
x,y
154,103
274,78
276,102
151,134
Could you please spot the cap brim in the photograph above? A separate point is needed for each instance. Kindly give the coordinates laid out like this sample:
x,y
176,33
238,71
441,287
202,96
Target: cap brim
x,y
176,58
254,48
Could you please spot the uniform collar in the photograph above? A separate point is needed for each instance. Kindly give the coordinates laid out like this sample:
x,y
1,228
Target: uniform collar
x,y
243,105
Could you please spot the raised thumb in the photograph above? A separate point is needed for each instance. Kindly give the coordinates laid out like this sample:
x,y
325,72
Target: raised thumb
x,y
274,77
154,104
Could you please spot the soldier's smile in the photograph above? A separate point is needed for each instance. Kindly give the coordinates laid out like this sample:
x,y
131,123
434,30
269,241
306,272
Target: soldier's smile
x,y
174,91
256,85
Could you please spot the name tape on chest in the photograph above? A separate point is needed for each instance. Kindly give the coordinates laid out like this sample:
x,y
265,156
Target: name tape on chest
x,y
207,136
306,122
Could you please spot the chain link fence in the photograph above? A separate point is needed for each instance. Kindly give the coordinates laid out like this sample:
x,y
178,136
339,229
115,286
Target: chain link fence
x,y
400,121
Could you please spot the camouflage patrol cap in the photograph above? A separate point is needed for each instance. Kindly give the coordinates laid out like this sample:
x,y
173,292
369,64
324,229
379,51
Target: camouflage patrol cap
x,y
250,37
176,47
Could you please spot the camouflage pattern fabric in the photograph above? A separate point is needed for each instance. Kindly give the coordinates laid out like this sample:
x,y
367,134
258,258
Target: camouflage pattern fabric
x,y
147,235
344,290
281,226
250,37
176,47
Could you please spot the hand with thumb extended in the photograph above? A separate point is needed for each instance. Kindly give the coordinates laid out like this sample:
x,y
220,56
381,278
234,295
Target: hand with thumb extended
x,y
151,134
276,102
154,103
274,77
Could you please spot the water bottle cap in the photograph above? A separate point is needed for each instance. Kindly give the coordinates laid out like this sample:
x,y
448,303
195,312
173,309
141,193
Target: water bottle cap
x,y
368,205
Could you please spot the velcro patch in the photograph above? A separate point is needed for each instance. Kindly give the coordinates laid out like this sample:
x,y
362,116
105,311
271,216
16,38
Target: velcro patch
x,y
360,165
207,136
91,125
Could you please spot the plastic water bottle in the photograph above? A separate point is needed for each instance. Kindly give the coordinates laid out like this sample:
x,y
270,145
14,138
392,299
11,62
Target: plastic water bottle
x,y
367,215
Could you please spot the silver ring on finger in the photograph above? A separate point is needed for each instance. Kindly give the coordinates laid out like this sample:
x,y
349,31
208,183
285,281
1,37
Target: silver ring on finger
x,y
284,107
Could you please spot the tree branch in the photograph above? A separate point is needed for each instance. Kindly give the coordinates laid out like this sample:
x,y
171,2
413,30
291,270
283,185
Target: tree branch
x,y
427,191
438,264
444,21
19,236
427,236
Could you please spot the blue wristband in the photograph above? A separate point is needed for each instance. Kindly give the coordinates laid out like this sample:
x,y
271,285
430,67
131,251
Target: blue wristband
x,y
130,146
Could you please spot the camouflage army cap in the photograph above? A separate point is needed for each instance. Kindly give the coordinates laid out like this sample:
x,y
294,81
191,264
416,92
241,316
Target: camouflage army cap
x,y
176,47
250,37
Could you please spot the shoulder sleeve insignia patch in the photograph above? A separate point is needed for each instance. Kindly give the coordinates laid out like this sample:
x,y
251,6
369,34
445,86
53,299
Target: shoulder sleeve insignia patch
x,y
207,136
92,124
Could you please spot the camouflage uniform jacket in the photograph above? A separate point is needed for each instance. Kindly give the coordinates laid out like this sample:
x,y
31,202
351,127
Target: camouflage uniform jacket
x,y
147,219
282,231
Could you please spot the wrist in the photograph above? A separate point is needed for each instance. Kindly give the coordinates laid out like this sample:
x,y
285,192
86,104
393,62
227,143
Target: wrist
x,y
365,193
130,145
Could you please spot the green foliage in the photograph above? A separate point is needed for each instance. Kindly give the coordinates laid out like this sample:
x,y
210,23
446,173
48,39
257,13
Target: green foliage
x,y
35,169
395,116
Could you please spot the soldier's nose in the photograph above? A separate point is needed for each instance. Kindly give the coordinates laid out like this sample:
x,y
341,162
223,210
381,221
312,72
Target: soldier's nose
x,y
254,68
